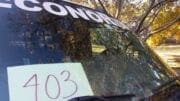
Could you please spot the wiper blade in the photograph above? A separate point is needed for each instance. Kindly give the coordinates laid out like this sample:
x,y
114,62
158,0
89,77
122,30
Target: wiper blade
x,y
156,90
127,97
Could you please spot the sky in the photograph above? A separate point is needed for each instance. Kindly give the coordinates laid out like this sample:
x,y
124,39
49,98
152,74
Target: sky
x,y
137,1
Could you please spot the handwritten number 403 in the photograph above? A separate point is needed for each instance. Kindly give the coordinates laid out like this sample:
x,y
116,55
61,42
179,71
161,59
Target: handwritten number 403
x,y
35,84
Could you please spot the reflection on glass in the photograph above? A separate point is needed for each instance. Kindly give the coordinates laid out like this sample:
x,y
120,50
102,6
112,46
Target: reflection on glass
x,y
114,60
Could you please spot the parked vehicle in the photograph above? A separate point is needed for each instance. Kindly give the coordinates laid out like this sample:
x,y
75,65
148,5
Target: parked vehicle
x,y
48,32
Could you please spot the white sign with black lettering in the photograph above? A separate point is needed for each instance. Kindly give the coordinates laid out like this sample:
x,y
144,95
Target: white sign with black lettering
x,y
47,82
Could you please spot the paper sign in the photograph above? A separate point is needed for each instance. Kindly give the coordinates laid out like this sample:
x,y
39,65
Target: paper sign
x,y
47,82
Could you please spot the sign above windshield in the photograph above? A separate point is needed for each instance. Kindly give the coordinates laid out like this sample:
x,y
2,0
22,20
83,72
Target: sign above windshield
x,y
62,10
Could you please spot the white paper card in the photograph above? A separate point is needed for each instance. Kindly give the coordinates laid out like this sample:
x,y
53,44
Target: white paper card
x,y
47,82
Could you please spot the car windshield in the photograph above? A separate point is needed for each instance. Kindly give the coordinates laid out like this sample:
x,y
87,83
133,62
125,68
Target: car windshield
x,y
114,61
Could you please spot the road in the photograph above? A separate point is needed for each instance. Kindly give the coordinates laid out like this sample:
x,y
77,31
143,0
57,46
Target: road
x,y
171,55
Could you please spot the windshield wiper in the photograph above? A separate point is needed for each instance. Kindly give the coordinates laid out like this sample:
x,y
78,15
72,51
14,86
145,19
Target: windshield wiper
x,y
167,84
127,97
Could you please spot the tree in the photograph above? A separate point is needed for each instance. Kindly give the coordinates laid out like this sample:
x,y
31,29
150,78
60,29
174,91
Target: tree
x,y
139,16
165,25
